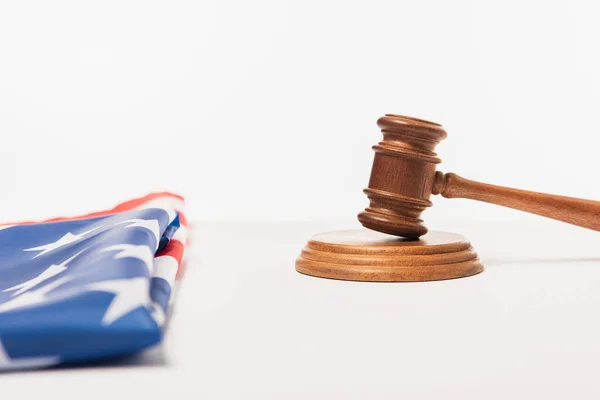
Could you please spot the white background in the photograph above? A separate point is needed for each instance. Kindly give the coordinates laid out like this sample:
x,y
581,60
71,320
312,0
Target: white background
x,y
266,110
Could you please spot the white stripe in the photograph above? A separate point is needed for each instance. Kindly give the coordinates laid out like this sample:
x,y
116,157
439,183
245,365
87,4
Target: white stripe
x,y
174,293
181,234
172,214
157,312
165,267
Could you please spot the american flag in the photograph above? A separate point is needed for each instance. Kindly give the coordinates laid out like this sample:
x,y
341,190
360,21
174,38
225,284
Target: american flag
x,y
79,289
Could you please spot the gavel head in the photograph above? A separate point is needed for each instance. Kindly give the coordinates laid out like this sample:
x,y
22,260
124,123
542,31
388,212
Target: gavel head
x,y
402,176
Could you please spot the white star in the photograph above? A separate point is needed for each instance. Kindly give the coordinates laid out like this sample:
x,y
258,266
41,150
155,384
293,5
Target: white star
x,y
140,252
7,363
33,297
129,293
51,271
150,224
63,241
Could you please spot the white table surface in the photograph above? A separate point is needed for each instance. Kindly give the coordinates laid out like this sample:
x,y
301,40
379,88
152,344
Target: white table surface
x,y
247,325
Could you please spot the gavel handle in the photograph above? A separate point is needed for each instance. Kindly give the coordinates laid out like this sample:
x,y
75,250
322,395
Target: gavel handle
x,y
581,212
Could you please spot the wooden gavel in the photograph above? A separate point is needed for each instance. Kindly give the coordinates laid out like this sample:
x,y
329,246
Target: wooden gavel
x,y
404,176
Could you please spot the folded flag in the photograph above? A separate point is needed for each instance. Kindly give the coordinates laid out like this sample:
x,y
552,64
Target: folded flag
x,y
95,286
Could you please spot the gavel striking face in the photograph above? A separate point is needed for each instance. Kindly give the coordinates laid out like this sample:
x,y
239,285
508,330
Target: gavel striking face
x,y
404,176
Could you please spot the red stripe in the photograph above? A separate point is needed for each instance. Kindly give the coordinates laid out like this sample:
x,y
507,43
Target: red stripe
x,y
182,219
175,249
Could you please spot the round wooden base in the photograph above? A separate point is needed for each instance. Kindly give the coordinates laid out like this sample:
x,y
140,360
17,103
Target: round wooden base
x,y
365,255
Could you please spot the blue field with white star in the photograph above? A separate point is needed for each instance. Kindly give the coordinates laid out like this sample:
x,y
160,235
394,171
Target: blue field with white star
x,y
83,289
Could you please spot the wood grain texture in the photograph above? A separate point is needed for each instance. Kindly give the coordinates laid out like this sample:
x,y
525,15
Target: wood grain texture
x,y
581,212
404,176
365,255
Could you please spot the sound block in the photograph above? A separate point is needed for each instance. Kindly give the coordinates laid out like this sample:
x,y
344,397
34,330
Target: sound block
x,y
366,255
